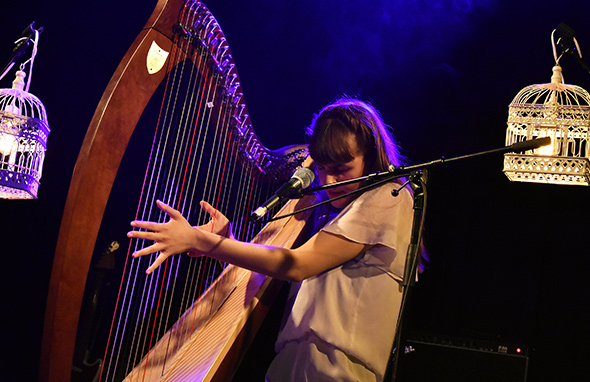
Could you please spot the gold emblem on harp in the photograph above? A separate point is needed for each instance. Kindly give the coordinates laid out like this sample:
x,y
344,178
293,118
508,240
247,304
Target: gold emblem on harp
x,y
156,58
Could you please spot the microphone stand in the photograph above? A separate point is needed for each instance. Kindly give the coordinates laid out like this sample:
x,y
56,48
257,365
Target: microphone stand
x,y
418,183
416,178
378,178
569,45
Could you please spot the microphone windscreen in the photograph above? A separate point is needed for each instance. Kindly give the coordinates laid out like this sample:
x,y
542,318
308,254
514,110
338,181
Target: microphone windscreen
x,y
305,175
532,144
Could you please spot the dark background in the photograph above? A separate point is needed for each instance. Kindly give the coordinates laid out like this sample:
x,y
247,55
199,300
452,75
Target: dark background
x,y
508,261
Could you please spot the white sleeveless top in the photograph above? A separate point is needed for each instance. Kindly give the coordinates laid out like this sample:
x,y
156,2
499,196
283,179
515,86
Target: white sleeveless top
x,y
354,307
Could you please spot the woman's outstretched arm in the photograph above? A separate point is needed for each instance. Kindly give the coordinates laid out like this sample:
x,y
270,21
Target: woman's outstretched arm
x,y
322,252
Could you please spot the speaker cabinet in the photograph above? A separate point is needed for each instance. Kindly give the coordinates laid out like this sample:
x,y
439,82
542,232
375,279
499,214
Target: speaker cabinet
x,y
461,360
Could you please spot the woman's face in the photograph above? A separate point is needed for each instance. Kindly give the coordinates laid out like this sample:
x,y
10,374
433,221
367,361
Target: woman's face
x,y
337,172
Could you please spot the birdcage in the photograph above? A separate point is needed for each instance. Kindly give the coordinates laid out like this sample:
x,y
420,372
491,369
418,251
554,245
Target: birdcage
x,y
558,111
23,141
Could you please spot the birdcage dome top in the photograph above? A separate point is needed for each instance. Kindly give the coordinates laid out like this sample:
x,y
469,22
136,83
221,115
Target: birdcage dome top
x,y
21,103
555,93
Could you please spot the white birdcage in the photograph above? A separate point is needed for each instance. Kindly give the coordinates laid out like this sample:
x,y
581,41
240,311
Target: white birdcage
x,y
23,129
23,141
558,111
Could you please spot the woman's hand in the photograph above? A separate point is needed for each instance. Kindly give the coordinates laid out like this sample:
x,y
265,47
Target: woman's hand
x,y
218,224
170,238
177,235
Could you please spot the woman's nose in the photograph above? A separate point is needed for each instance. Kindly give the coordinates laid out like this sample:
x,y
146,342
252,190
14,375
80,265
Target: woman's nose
x,y
330,179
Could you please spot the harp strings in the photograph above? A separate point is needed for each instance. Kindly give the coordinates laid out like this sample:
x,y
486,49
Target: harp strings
x,y
185,169
139,313
194,157
135,309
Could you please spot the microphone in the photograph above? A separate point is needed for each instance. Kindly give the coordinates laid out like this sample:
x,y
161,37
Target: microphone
x,y
301,179
530,144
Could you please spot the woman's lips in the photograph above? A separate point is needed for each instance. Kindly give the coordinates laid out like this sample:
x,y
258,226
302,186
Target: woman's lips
x,y
333,194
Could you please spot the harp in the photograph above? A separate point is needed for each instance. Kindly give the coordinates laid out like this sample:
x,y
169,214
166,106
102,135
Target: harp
x,y
198,143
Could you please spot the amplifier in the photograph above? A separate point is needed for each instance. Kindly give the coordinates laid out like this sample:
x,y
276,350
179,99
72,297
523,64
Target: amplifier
x,y
441,358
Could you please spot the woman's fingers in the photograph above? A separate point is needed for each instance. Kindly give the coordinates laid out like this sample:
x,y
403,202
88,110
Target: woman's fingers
x,y
146,225
219,223
155,247
148,251
174,214
145,235
169,238
159,260
209,209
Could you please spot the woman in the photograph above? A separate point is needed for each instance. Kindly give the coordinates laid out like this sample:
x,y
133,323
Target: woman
x,y
345,276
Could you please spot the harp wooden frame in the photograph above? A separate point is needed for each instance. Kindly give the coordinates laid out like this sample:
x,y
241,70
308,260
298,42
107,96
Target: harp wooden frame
x,y
109,132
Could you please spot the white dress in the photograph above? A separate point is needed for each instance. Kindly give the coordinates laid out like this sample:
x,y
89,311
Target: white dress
x,y
342,323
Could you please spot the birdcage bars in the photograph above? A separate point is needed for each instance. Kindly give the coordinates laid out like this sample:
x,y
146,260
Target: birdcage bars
x,y
554,110
23,141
